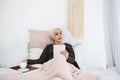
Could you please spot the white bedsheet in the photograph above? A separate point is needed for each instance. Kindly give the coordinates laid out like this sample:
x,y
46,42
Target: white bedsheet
x,y
106,74
7,71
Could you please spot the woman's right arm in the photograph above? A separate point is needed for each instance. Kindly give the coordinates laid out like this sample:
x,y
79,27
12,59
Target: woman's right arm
x,y
43,58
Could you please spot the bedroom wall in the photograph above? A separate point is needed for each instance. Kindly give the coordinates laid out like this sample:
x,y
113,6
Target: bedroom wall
x,y
118,13
16,16
92,51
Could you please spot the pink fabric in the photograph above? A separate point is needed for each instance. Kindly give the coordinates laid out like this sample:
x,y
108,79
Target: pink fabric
x,y
13,77
56,67
39,39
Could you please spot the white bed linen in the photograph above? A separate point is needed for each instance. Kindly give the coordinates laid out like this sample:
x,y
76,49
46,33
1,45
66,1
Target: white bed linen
x,y
7,71
106,74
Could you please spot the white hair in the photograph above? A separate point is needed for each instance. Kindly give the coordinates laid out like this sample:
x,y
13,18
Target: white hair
x,y
53,30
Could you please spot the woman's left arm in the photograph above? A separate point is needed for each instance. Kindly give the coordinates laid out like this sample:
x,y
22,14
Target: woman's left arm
x,y
71,57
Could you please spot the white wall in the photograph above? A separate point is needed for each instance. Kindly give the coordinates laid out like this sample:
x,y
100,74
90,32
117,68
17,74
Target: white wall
x,y
92,50
118,13
16,16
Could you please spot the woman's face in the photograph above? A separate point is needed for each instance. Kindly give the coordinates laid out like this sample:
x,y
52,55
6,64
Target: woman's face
x,y
57,35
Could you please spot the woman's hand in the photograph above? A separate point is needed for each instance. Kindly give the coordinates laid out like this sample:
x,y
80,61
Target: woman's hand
x,y
65,53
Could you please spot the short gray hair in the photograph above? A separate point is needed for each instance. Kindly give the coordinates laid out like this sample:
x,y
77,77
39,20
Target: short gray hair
x,y
53,30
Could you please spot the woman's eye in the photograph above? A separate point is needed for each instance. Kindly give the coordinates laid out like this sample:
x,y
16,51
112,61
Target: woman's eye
x,y
56,34
61,33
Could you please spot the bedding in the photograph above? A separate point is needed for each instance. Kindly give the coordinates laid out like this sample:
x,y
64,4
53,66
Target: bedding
x,y
41,38
106,74
54,68
34,53
7,71
9,74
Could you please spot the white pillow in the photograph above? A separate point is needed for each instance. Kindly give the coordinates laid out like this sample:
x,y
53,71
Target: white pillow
x,y
35,53
68,38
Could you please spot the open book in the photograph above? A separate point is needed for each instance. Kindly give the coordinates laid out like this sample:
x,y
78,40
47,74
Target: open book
x,y
58,49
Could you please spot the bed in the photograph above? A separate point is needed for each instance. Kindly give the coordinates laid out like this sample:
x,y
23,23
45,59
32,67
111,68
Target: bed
x,y
106,74
36,46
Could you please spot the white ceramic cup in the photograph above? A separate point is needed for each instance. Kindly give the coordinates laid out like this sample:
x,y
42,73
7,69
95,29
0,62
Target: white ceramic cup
x,y
23,65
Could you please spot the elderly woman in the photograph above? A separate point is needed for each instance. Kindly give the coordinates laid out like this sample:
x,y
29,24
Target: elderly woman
x,y
47,54
62,67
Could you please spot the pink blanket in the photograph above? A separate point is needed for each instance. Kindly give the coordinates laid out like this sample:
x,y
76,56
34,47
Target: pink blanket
x,y
56,67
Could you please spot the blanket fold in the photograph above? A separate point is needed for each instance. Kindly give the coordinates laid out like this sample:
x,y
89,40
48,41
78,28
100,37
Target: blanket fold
x,y
56,67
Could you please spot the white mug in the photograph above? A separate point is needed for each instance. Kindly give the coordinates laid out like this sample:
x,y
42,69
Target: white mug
x,y
23,65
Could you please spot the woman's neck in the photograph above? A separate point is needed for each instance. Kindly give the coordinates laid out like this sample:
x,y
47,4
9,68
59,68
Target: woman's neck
x,y
58,43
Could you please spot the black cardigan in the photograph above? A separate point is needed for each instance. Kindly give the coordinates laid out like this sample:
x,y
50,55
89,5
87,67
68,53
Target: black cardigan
x,y
47,54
